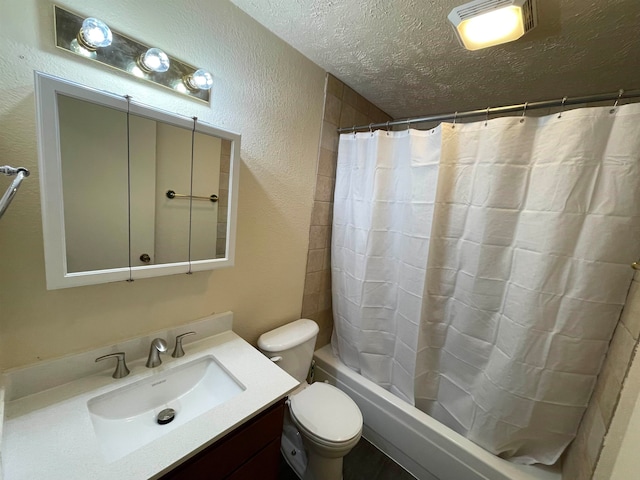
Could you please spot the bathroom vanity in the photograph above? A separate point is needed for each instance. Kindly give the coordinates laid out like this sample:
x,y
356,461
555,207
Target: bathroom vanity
x,y
69,419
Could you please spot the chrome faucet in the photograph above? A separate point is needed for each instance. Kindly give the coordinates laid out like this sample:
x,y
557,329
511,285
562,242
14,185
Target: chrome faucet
x,y
121,368
158,346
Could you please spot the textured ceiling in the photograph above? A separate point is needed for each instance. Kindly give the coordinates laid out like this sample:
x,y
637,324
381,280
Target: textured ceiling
x,y
404,56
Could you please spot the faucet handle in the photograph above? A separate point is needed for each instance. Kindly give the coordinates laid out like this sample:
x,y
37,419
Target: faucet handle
x,y
178,351
121,368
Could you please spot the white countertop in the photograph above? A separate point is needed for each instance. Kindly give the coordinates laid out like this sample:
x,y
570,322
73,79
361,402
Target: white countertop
x,y
49,435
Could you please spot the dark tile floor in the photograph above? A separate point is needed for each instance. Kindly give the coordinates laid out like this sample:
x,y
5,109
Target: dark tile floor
x,y
364,462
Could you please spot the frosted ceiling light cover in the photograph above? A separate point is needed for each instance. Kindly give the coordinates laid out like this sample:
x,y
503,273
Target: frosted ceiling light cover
x,y
504,24
95,34
155,60
485,23
200,80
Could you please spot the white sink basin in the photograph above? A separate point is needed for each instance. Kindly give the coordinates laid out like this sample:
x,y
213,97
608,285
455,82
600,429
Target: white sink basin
x,y
125,419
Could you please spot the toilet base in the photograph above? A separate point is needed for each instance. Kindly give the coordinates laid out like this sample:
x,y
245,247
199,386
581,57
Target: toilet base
x,y
308,460
323,468
292,449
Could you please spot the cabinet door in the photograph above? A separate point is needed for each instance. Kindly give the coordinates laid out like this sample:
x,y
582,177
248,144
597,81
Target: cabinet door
x,y
264,465
229,454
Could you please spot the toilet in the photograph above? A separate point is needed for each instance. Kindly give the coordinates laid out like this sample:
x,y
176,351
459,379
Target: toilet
x,y
322,424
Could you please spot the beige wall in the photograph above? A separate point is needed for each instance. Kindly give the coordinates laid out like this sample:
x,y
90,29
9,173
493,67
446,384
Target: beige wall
x,y
263,89
343,107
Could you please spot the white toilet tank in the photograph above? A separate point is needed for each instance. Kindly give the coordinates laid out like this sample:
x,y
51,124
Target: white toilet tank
x,y
294,343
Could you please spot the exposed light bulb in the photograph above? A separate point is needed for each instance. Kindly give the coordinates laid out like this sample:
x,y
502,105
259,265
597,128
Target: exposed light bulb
x,y
94,34
154,60
199,80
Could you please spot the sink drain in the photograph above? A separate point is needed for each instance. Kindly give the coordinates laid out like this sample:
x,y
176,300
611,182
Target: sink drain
x,y
166,416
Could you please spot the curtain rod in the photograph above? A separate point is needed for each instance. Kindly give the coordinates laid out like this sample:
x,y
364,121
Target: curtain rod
x,y
523,107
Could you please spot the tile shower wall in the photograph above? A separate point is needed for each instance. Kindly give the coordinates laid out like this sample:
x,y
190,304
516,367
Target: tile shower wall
x,y
593,447
343,107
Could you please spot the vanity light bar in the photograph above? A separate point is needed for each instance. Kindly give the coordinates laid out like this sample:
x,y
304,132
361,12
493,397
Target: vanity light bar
x,y
91,38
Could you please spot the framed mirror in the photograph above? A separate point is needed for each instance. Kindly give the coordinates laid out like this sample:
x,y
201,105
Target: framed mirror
x,y
129,191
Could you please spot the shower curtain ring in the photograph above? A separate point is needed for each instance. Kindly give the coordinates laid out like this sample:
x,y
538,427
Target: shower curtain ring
x,y
371,129
564,99
455,117
615,105
524,111
354,130
387,128
486,119
408,124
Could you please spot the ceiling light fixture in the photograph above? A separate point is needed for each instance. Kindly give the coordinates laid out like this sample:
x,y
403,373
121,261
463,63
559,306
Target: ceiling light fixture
x,y
94,34
485,23
154,60
199,80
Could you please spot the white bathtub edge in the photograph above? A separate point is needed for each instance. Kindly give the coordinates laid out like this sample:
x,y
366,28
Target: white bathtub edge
x,y
420,444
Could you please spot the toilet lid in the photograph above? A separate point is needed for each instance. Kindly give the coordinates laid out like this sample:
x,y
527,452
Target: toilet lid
x,y
327,412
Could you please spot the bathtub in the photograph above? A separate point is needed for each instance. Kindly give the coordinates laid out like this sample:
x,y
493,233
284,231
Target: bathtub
x,y
421,445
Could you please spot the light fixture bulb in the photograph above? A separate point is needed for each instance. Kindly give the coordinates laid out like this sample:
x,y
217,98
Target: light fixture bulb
x,y
491,28
485,23
199,80
94,34
154,60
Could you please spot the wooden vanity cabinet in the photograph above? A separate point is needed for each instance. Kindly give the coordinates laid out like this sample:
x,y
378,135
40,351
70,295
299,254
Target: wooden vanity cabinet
x,y
250,452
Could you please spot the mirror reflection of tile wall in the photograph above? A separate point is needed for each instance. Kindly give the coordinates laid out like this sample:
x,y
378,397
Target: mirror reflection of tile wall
x,y
223,198
343,107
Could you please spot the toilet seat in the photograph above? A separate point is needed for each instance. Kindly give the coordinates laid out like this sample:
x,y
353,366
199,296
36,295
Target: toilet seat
x,y
326,415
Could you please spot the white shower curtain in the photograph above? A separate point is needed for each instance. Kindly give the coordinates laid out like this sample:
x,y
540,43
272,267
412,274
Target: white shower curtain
x,y
385,193
503,308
